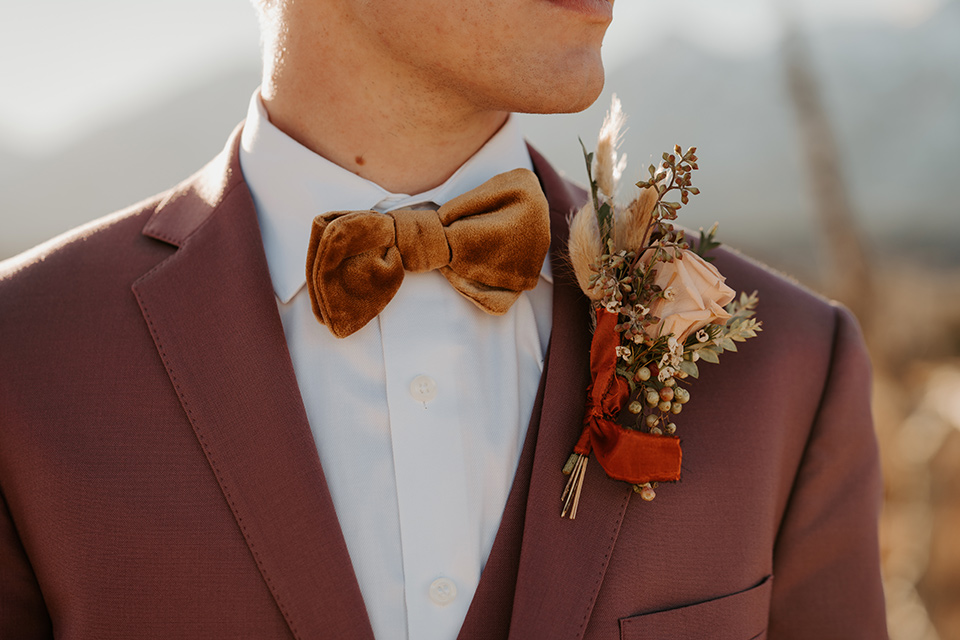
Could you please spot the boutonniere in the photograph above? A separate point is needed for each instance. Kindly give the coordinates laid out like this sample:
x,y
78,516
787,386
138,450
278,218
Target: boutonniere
x,y
660,309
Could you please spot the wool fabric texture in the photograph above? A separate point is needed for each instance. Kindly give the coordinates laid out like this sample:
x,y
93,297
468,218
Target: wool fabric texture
x,y
489,243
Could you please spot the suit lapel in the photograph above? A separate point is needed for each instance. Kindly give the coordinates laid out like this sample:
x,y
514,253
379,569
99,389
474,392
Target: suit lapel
x,y
562,562
211,310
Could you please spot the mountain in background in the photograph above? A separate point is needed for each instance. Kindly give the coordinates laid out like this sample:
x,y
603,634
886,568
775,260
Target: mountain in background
x,y
893,95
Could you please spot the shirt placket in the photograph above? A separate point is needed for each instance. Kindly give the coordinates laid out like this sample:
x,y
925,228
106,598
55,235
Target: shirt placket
x,y
423,357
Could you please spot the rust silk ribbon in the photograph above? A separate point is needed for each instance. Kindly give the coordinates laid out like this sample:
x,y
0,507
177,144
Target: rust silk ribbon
x,y
625,454
489,243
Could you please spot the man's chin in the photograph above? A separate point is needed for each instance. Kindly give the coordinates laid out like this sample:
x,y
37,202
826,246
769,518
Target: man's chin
x,y
572,97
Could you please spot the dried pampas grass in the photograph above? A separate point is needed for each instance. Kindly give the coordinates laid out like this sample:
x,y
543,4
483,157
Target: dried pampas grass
x,y
607,167
585,248
632,225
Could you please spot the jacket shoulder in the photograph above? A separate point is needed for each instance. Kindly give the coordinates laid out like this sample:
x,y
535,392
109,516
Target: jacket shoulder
x,y
786,306
98,248
128,242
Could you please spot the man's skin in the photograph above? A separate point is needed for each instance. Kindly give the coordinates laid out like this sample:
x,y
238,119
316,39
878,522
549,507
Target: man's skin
x,y
403,92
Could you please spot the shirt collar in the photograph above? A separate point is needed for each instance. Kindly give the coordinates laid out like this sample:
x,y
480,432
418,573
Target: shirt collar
x,y
290,185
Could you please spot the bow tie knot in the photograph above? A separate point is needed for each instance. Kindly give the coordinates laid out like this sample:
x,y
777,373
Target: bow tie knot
x,y
421,239
488,243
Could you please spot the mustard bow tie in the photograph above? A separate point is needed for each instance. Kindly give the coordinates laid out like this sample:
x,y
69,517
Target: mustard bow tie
x,y
488,243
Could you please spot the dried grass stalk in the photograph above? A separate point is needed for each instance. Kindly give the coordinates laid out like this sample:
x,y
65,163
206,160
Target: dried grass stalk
x,y
585,248
607,168
631,225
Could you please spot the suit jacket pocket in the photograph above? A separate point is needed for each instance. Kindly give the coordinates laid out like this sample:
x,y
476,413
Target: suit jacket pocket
x,y
738,616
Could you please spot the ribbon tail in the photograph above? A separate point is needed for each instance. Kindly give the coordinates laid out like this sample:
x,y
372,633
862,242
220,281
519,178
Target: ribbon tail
x,y
635,456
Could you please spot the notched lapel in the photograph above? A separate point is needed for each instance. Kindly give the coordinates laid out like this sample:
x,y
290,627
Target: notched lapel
x,y
212,313
562,562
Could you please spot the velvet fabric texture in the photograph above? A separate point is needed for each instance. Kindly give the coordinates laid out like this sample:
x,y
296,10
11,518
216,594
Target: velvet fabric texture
x,y
489,243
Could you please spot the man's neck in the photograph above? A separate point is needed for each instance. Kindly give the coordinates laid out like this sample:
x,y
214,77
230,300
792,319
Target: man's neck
x,y
405,136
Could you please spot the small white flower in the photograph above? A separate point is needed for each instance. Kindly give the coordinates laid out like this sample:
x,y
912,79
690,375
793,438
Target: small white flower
x,y
643,310
702,335
669,294
623,352
674,356
695,357
666,372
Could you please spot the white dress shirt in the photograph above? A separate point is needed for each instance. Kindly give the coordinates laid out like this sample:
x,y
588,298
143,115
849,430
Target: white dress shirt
x,y
420,416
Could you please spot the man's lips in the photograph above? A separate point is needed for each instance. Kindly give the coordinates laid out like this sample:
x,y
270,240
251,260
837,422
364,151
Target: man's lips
x,y
592,8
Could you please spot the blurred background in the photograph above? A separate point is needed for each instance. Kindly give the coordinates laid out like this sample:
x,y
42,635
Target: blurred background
x,y
829,138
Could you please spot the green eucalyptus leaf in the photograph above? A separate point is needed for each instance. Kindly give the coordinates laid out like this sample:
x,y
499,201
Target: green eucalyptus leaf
x,y
709,355
690,368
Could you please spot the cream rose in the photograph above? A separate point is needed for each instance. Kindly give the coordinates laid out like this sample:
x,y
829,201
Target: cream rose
x,y
695,295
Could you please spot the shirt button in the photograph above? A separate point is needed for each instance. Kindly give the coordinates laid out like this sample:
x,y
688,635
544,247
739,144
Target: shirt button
x,y
443,591
423,389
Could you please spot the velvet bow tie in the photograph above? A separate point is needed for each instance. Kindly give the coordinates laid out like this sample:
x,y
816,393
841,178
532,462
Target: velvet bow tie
x,y
488,243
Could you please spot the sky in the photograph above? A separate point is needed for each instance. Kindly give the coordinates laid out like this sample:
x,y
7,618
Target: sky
x,y
69,67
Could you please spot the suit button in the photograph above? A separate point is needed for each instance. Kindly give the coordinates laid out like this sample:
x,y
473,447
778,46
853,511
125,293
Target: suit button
x,y
443,591
423,389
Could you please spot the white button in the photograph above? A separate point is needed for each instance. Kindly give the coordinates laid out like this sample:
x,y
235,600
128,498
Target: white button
x,y
443,591
423,389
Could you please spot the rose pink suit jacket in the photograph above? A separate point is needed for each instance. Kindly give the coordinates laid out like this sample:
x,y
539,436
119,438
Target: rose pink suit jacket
x,y
159,478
